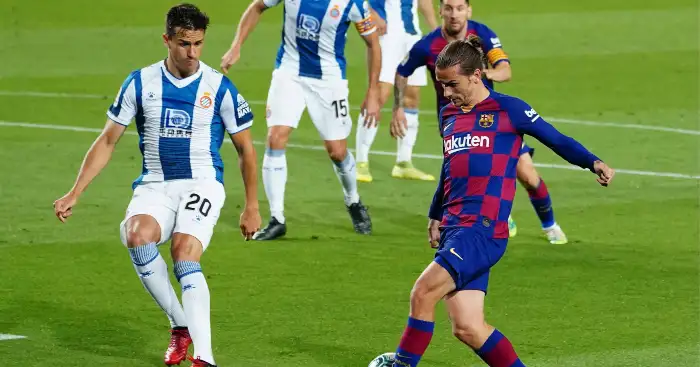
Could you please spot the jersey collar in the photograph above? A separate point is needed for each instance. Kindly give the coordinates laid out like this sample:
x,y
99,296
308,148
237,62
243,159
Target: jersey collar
x,y
177,81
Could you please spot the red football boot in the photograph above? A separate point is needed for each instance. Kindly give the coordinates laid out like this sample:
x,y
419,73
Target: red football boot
x,y
201,363
177,349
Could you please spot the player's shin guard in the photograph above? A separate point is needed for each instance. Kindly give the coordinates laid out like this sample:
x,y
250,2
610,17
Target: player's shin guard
x,y
405,145
414,342
364,139
497,351
542,202
275,179
196,302
347,174
153,272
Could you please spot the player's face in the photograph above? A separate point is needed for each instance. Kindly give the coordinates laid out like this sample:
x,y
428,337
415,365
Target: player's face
x,y
185,49
459,88
454,15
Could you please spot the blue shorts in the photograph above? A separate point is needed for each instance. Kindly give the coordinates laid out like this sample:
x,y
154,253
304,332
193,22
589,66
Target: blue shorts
x,y
468,255
524,148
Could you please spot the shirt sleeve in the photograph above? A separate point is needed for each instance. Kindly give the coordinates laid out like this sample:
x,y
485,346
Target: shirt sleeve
x,y
527,121
436,211
492,46
415,58
234,110
361,16
123,110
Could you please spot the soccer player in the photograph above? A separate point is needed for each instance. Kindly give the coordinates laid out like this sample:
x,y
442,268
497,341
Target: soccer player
x,y
456,26
399,29
181,107
310,72
468,218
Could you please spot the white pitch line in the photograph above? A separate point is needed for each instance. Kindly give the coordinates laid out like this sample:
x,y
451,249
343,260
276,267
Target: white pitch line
x,y
9,93
11,337
376,152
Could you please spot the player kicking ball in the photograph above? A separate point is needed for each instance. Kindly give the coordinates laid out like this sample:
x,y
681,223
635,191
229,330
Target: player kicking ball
x,y
181,107
482,134
457,26
310,72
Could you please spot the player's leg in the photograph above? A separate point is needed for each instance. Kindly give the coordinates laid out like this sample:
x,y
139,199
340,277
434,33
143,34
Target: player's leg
x,y
404,165
539,197
466,310
365,135
432,285
197,214
285,104
149,221
392,54
328,108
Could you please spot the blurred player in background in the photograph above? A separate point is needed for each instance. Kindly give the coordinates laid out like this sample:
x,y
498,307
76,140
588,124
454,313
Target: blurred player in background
x,y
399,29
181,107
468,220
456,26
310,72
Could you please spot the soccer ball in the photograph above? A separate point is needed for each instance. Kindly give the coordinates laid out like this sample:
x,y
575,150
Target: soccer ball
x,y
384,360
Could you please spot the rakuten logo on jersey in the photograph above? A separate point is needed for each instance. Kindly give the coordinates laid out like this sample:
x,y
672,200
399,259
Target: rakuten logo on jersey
x,y
458,143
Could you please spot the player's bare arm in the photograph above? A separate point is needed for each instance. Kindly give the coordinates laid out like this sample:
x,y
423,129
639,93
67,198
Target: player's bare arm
x,y
249,20
379,22
94,162
371,105
247,158
426,8
399,125
500,73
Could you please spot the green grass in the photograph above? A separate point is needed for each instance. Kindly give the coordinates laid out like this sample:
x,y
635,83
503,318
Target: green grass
x,y
624,292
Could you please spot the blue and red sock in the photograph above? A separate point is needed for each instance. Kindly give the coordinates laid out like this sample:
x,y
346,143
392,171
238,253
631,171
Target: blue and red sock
x,y
499,352
415,340
542,202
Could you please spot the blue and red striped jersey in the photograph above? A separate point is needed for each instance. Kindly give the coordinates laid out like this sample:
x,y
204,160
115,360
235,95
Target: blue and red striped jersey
x,y
426,50
481,149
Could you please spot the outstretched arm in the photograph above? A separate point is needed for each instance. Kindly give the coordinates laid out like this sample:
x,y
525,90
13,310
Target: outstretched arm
x,y
247,23
426,8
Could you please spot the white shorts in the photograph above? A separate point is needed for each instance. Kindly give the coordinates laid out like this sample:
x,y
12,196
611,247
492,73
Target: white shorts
x,y
185,206
327,101
396,44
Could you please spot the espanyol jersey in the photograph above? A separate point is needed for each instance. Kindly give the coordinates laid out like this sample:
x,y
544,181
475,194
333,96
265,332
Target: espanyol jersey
x,y
314,34
180,122
398,14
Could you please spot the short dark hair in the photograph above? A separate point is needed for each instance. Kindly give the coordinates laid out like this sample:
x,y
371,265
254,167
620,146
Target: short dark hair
x,y
468,54
185,16
466,1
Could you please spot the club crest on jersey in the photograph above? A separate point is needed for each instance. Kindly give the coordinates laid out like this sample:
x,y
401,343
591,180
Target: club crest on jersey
x,y
308,28
486,120
335,12
455,144
205,101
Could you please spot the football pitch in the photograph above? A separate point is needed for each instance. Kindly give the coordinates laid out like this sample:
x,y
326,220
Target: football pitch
x,y
619,76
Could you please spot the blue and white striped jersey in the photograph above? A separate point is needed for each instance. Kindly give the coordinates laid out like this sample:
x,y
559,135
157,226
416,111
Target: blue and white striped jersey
x,y
398,14
180,122
314,33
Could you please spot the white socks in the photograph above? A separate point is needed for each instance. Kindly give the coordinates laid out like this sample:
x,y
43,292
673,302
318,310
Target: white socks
x,y
196,303
153,272
347,174
275,179
405,145
364,139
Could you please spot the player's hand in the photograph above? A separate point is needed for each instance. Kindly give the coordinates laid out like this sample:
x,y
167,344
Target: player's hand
x,y
230,57
605,173
370,108
399,124
63,207
434,233
250,222
379,22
